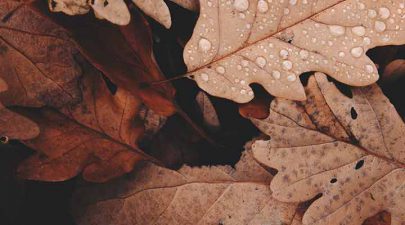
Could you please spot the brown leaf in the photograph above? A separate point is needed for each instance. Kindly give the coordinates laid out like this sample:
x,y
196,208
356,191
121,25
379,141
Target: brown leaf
x,y
207,195
272,44
208,111
12,125
124,54
36,59
348,149
258,108
99,137
394,71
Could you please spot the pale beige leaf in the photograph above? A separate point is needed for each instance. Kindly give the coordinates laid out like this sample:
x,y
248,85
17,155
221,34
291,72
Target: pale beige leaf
x,y
240,42
358,166
208,111
70,7
207,195
157,9
115,11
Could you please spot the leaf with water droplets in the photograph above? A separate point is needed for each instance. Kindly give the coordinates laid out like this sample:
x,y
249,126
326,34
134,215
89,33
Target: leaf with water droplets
x,y
350,150
272,44
207,195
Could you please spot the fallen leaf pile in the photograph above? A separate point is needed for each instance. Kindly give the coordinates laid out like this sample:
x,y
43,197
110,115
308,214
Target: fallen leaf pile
x,y
350,150
281,122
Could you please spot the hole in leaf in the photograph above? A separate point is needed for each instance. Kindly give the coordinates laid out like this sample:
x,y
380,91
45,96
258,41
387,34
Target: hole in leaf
x,y
359,164
353,113
333,180
4,139
53,4
110,85
105,3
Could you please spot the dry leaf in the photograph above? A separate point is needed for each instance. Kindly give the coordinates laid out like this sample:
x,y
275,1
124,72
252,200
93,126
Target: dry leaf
x,y
208,111
394,70
207,195
237,43
36,59
99,136
14,126
348,149
116,11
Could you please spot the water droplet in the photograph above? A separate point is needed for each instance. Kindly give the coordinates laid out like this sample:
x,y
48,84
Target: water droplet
x,y
242,82
372,13
359,31
341,54
220,69
283,54
204,77
286,11
362,6
245,63
304,54
356,52
379,26
276,74
336,30
384,13
262,6
293,2
291,77
287,65
243,91
366,41
261,61
241,5
204,45
250,93
369,68
209,4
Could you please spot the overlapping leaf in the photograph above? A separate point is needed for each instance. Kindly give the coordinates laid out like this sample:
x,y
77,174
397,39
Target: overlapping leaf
x,y
117,12
240,42
215,195
348,149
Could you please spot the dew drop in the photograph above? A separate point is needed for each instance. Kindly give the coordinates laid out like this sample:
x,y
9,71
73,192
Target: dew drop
x,y
336,30
283,54
372,13
220,69
384,13
276,74
359,30
293,2
304,54
369,68
366,41
286,11
262,6
261,61
243,91
356,51
245,63
341,54
242,82
379,26
241,5
204,77
291,77
204,45
250,93
287,65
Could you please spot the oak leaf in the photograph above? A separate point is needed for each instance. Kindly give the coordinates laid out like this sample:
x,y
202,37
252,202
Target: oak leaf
x,y
116,11
350,150
240,42
14,126
36,59
206,195
97,135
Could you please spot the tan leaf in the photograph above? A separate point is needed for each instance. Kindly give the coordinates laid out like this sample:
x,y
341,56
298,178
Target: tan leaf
x,y
192,5
12,125
348,149
272,44
208,111
99,136
156,9
207,195
70,7
36,59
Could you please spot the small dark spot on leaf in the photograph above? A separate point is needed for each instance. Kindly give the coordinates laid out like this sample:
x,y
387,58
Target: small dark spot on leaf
x,y
333,180
372,197
110,85
353,113
92,2
53,4
359,164
105,3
